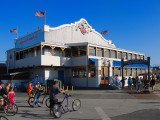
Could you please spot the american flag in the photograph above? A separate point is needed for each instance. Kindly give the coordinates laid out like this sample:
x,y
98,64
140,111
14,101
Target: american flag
x,y
39,14
104,32
13,31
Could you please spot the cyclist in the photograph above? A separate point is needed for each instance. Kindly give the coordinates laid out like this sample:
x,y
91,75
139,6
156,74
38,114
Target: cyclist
x,y
3,93
53,92
36,94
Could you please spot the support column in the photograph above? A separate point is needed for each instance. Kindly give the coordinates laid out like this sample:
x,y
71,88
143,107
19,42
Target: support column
x,y
117,54
42,49
52,47
96,51
136,56
35,53
79,51
127,56
110,53
88,50
103,52
62,50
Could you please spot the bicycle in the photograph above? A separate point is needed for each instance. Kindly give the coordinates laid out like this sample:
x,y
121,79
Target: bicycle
x,y
41,100
3,117
10,109
58,109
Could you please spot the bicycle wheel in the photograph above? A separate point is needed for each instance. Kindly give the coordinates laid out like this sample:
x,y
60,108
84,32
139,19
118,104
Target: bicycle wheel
x,y
11,109
47,102
30,101
56,111
3,118
76,104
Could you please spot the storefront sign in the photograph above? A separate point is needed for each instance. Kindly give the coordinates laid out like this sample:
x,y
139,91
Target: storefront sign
x,y
28,39
129,62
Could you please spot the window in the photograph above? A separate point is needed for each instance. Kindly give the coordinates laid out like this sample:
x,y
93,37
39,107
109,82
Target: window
x,y
82,50
129,72
113,54
125,55
57,52
124,72
75,51
117,71
47,51
129,56
79,72
134,57
134,72
99,52
119,55
143,71
92,72
67,52
92,51
107,53
138,56
139,71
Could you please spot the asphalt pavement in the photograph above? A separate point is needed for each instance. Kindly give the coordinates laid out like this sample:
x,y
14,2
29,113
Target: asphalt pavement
x,y
96,105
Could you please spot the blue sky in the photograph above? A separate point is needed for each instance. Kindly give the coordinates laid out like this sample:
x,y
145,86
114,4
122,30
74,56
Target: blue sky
x,y
133,24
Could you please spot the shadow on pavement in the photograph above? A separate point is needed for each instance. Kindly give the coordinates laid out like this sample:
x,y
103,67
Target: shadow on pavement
x,y
146,114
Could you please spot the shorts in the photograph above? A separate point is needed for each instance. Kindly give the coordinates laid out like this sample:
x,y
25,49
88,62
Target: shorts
x,y
52,102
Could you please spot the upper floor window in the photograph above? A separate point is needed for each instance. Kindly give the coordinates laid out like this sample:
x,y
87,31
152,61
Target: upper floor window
x,y
92,51
134,56
107,53
99,52
125,55
119,55
129,56
113,54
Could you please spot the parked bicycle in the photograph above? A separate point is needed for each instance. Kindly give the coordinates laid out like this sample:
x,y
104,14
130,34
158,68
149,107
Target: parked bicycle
x,y
59,109
3,117
42,98
10,109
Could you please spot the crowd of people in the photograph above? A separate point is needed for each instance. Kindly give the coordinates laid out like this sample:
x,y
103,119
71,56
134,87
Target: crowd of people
x,y
137,82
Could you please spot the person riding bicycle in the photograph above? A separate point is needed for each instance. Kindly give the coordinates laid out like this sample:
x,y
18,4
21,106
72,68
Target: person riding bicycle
x,y
36,94
53,92
3,93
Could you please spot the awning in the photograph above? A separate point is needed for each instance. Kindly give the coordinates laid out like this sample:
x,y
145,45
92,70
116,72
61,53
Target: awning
x,y
118,63
93,59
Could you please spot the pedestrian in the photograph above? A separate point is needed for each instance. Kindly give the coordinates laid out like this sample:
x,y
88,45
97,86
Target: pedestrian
x,y
36,94
152,83
123,82
29,90
130,82
134,82
53,92
3,93
11,95
137,84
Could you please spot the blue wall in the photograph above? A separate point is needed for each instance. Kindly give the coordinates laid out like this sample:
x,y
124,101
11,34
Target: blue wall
x,y
38,39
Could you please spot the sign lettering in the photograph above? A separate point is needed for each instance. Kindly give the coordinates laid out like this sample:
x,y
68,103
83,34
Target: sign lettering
x,y
28,39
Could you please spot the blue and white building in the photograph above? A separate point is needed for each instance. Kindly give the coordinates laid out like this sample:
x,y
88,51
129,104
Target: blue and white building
x,y
74,53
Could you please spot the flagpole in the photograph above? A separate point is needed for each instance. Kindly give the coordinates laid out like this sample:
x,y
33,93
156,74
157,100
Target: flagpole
x,y
45,17
17,32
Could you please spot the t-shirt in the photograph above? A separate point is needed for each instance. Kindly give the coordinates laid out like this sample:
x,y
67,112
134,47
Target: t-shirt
x,y
54,90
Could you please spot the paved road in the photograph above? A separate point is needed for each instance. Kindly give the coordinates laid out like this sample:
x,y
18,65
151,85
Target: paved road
x,y
96,105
